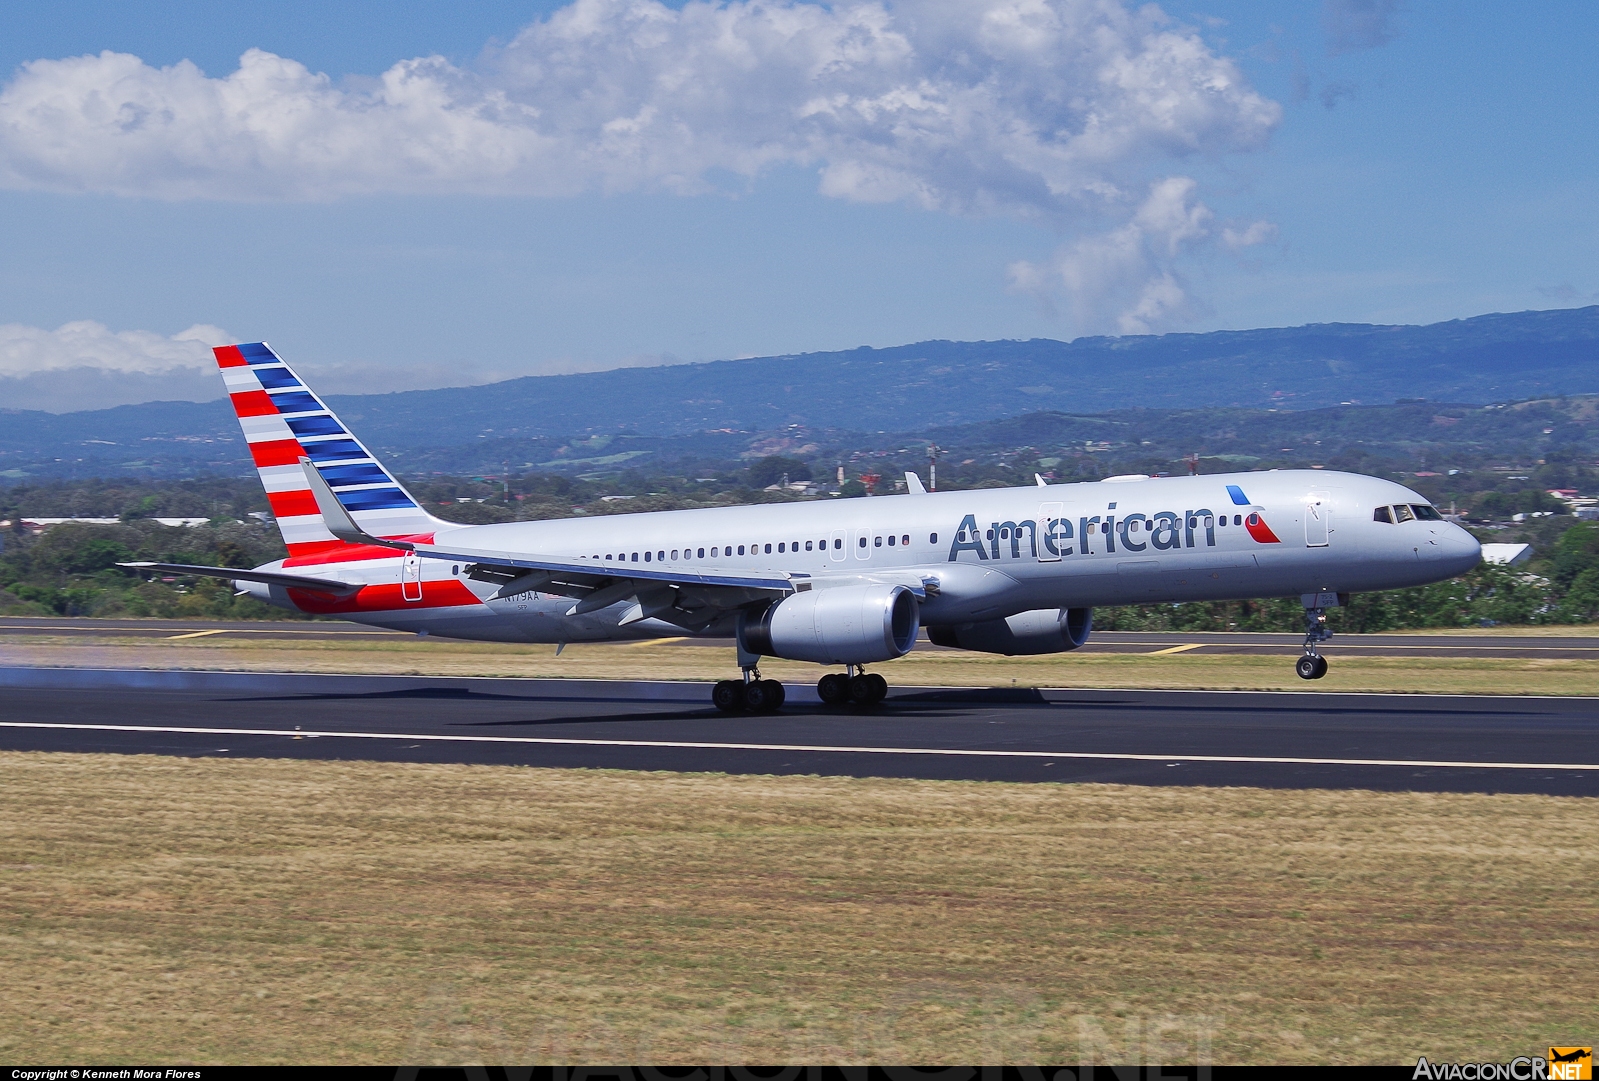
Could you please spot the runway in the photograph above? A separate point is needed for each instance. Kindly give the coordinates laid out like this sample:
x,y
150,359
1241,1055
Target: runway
x,y
1419,645
1272,740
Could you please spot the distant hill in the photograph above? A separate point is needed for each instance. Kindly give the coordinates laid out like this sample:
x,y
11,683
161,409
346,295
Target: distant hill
x,y
910,388
1488,358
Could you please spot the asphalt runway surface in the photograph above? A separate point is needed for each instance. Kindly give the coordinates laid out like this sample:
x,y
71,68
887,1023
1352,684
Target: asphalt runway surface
x,y
1183,738
1207,643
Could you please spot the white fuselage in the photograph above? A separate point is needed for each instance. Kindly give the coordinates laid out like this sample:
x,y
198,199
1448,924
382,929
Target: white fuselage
x,y
983,554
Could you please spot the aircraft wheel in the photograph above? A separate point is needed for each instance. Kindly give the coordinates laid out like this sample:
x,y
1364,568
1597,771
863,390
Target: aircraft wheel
x,y
833,689
1310,668
879,687
728,696
763,696
863,692
1321,667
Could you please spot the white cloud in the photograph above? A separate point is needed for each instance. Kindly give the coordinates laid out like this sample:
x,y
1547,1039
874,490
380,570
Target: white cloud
x,y
25,350
1015,105
1126,280
86,365
1061,111
1256,232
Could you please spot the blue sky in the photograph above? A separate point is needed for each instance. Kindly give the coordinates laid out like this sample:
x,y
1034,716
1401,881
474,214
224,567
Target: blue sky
x,y
575,188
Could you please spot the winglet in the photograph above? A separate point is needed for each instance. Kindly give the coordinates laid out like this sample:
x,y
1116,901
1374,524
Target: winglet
x,y
1039,477
913,484
336,518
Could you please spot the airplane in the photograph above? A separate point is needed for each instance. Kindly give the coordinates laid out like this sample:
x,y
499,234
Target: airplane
x,y
850,582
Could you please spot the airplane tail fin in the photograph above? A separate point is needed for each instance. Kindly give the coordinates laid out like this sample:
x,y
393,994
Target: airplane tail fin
x,y
284,421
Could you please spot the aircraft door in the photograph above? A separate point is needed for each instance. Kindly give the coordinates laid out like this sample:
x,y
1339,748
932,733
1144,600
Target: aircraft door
x,y
835,545
1050,535
1317,511
411,577
862,543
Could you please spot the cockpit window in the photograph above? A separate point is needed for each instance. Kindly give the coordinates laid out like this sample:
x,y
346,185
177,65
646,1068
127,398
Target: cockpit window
x,y
1381,515
1402,513
1426,512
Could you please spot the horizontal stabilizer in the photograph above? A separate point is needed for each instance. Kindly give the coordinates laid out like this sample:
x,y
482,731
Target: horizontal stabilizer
x,y
271,578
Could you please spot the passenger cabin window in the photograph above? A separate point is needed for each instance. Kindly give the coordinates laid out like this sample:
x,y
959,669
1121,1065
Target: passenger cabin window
x,y
1381,515
1426,512
701,554
863,542
877,542
932,538
808,545
1402,513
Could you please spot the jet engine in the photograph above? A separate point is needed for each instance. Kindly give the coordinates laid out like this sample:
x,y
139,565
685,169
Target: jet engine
x,y
1043,630
841,625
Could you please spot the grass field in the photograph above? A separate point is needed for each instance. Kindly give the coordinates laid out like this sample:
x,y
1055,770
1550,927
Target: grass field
x,y
181,910
664,660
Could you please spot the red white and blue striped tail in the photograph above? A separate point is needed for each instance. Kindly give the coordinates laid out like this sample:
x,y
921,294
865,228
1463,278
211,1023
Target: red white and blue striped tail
x,y
284,421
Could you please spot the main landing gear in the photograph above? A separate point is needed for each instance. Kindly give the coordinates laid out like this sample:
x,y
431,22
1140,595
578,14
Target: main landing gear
x,y
751,694
851,687
1313,665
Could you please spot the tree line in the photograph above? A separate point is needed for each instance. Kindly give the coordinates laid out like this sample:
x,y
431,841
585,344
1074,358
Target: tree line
x,y
70,570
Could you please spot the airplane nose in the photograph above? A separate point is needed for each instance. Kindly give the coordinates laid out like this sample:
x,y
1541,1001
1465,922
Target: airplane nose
x,y
1458,550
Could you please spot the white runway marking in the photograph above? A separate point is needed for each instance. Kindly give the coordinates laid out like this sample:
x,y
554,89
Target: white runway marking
x,y
800,747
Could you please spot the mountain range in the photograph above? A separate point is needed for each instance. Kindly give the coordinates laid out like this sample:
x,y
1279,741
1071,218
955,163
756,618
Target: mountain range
x,y
909,388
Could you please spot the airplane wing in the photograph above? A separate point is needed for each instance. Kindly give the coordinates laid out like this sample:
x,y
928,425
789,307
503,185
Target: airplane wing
x,y
688,597
271,578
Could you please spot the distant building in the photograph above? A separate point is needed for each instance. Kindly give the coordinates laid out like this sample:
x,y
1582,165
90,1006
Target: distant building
x,y
1509,555
39,525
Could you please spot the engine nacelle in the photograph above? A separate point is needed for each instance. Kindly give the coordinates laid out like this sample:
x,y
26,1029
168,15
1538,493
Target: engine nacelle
x,y
1043,630
841,625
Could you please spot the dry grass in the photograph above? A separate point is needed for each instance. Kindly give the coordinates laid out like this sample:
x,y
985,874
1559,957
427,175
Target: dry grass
x,y
163,909
664,660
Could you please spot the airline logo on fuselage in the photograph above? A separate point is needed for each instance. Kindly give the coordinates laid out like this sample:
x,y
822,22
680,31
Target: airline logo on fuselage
x,y
1163,530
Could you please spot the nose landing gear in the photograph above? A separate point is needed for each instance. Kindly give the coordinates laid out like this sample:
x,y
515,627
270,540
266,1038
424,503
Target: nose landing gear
x,y
1313,665
852,686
